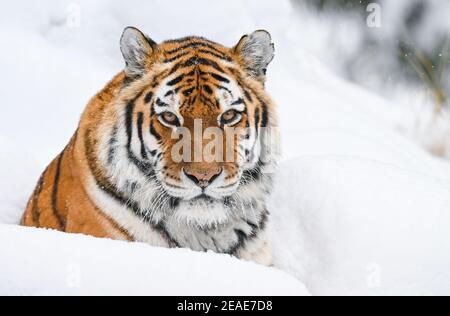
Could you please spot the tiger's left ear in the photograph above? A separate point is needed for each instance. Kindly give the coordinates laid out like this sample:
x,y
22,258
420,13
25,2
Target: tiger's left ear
x,y
137,50
256,51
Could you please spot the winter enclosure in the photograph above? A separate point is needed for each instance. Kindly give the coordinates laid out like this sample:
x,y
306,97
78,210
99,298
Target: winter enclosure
x,y
362,201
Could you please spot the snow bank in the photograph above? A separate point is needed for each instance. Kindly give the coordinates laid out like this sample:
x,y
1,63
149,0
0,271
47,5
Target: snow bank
x,y
42,262
354,226
358,207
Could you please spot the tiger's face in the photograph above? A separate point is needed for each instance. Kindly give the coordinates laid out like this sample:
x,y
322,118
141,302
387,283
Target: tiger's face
x,y
198,118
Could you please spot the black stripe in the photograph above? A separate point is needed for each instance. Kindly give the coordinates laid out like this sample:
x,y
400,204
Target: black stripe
x,y
194,45
223,88
192,100
188,92
179,88
174,202
154,132
152,111
238,101
140,122
178,66
220,56
219,77
36,212
255,229
176,80
162,229
207,89
242,237
56,211
148,97
257,119
161,103
252,225
263,220
265,114
112,145
129,122
195,61
183,39
248,95
176,57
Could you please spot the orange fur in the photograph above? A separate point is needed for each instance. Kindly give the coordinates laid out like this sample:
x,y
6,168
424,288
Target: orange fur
x,y
62,199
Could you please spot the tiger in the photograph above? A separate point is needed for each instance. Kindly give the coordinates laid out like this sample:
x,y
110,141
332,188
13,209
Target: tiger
x,y
117,177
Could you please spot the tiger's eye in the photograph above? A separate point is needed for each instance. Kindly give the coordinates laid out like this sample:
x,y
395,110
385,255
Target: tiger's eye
x,y
229,116
169,118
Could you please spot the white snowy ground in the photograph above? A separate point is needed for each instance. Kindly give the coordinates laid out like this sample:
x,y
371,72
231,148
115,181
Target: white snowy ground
x,y
358,208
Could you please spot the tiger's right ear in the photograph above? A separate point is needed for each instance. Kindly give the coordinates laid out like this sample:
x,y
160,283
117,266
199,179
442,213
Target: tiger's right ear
x,y
256,52
136,50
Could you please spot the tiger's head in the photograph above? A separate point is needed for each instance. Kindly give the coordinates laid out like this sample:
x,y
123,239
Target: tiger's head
x,y
195,115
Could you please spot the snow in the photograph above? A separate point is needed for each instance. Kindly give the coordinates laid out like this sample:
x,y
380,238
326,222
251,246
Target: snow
x,y
354,219
18,172
84,265
359,208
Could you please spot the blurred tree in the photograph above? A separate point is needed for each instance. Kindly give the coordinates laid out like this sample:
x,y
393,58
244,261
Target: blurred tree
x,y
414,49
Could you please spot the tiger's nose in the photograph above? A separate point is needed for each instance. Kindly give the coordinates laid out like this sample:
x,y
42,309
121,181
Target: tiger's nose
x,y
203,177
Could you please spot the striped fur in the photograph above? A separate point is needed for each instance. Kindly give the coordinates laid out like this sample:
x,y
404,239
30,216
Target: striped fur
x,y
117,178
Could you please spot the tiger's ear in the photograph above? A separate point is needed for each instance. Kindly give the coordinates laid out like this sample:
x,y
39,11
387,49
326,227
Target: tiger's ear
x,y
136,50
256,51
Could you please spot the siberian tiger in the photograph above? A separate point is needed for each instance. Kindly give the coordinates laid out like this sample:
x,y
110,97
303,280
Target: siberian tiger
x,y
117,178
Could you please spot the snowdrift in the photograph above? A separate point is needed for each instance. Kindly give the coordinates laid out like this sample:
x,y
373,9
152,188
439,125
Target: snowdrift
x,y
50,263
357,227
358,207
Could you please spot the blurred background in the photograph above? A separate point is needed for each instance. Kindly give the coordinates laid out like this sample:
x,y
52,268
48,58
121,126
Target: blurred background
x,y
401,54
